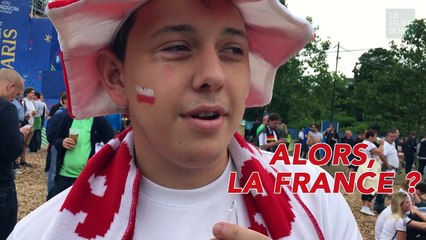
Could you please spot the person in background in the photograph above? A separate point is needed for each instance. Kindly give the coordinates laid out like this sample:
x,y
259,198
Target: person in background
x,y
268,138
56,106
74,152
391,155
17,101
421,193
263,125
348,139
361,137
251,135
314,137
11,147
305,146
410,152
372,152
283,133
52,131
421,153
53,109
30,111
331,138
35,143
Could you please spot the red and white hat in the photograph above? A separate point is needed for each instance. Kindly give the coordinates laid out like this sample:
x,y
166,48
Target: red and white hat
x,y
87,26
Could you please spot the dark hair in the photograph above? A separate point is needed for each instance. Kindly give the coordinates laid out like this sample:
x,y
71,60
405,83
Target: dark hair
x,y
63,97
370,133
274,117
392,130
28,90
120,40
421,187
37,94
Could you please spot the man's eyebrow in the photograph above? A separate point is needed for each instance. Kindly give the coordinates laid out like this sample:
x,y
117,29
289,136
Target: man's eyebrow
x,y
174,28
234,31
190,29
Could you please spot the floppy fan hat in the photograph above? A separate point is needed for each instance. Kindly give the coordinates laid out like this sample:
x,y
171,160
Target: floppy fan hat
x,y
87,26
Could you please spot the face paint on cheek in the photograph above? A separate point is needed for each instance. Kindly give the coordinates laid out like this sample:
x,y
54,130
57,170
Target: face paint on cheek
x,y
145,95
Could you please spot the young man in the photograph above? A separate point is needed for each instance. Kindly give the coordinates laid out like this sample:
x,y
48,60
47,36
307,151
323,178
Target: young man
x,y
268,138
30,112
314,137
184,70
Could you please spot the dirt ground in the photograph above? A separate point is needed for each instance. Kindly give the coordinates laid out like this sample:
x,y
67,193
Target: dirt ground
x,y
31,188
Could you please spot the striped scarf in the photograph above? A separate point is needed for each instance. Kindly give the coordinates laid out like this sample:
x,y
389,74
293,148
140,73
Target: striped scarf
x,y
102,202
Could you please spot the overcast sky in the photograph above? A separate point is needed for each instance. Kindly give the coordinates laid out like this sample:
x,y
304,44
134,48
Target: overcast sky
x,y
360,24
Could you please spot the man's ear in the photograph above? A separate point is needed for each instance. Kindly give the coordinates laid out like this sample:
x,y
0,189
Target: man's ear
x,y
110,70
10,86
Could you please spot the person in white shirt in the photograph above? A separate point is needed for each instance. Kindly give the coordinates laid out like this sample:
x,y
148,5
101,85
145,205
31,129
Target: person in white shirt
x,y
391,155
185,71
30,112
394,220
372,152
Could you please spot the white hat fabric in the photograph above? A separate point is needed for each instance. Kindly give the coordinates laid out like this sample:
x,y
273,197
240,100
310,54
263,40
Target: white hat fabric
x,y
87,26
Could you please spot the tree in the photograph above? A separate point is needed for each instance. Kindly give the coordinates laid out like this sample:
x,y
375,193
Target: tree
x,y
303,90
412,53
390,84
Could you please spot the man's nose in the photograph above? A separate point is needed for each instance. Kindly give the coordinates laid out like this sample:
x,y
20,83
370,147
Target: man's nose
x,y
210,75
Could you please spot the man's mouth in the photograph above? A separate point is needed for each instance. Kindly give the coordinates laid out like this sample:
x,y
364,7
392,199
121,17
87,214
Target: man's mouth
x,y
206,115
206,118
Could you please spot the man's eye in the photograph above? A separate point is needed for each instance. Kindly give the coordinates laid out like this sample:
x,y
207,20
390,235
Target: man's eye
x,y
176,48
233,50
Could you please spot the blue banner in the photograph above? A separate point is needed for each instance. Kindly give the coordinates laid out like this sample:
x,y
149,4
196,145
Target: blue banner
x,y
326,124
14,29
31,47
39,52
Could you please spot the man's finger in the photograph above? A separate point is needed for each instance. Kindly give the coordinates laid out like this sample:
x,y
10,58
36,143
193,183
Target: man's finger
x,y
228,231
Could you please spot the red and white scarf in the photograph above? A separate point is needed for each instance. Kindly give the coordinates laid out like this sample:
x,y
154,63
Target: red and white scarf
x,y
102,202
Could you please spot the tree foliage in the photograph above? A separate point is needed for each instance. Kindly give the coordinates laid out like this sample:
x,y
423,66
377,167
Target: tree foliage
x,y
388,90
390,84
304,87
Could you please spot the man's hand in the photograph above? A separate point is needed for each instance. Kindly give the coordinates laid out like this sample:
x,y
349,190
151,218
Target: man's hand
x,y
228,231
68,143
25,130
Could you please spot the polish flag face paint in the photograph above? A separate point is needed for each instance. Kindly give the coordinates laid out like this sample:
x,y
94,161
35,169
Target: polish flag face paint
x,y
145,95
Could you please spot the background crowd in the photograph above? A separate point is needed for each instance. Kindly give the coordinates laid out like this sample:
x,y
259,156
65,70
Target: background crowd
x,y
23,115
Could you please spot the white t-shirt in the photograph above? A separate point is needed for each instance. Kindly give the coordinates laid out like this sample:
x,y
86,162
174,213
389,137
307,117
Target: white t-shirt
x,y
30,106
301,135
200,209
316,135
385,214
391,155
392,225
263,138
378,227
367,150
164,213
